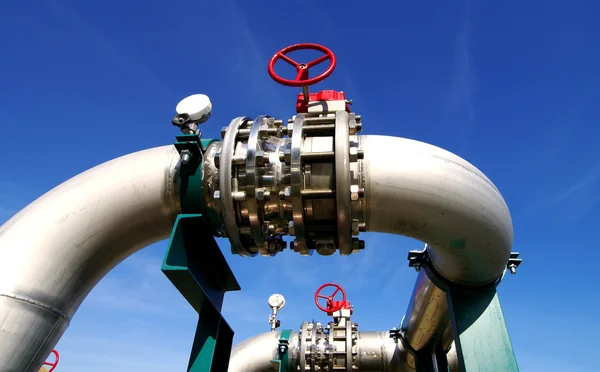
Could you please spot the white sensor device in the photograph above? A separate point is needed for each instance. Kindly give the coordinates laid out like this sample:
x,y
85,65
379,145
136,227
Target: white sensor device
x,y
197,106
276,301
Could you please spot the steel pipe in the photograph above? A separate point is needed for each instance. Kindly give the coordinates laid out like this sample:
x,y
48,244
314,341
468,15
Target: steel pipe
x,y
427,320
57,249
376,352
255,353
430,194
54,251
424,192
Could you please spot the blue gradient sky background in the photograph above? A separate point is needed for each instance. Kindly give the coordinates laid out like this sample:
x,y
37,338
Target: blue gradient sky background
x,y
512,86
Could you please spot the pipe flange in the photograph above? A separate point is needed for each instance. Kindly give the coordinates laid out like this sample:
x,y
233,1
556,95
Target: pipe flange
x,y
297,185
228,186
303,343
252,183
342,182
349,358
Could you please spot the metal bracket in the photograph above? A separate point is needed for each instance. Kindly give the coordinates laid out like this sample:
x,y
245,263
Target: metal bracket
x,y
395,334
191,149
513,262
281,364
418,259
196,267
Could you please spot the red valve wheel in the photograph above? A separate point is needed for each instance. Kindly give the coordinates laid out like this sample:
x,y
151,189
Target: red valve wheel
x,y
302,78
332,306
55,363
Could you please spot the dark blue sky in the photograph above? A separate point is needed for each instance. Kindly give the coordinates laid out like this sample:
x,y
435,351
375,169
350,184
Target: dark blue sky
x,y
511,86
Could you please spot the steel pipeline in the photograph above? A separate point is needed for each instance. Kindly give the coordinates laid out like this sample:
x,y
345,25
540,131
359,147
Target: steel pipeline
x,y
87,225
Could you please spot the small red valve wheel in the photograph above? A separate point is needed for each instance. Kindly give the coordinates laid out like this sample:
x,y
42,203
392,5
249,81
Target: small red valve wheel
x,y
302,79
331,306
53,364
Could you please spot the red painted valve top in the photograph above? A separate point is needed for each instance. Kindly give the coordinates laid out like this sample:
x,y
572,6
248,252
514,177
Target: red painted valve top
x,y
302,78
332,305
53,364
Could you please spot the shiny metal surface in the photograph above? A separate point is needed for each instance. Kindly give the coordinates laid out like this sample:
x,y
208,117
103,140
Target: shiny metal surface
x,y
427,315
427,193
228,185
255,353
288,184
400,186
452,359
378,352
54,251
296,187
254,146
342,180
375,352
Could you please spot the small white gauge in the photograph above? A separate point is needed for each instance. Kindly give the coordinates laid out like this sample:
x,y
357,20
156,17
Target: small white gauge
x,y
197,106
276,301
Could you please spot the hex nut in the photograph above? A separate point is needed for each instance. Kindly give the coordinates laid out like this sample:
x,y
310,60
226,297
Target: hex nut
x,y
354,192
287,156
352,127
353,154
263,131
260,158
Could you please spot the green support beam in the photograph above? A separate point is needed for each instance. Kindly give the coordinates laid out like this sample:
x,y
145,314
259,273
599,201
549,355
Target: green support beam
x,y
282,363
480,333
190,172
197,268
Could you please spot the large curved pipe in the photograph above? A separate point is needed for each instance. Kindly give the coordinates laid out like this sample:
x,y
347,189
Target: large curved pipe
x,y
430,194
55,251
427,193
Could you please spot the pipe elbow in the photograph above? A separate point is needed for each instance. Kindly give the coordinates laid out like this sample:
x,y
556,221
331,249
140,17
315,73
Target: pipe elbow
x,y
255,353
427,193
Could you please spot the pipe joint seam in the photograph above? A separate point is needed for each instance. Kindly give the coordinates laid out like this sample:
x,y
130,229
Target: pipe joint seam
x,y
34,302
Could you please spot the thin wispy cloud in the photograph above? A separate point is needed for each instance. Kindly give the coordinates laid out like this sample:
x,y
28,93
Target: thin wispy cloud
x,y
574,201
112,51
460,100
252,64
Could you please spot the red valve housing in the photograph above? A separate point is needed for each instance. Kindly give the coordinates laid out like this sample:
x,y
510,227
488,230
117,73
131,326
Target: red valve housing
x,y
324,95
339,305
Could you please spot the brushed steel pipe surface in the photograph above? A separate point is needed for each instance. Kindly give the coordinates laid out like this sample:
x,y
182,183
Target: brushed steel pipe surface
x,y
254,354
427,318
54,251
424,192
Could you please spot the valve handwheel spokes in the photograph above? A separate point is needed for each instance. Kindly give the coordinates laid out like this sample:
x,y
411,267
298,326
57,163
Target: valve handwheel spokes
x,y
302,79
53,364
331,306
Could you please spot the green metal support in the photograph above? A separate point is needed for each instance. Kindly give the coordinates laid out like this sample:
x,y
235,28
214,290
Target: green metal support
x,y
281,364
480,333
196,267
190,172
